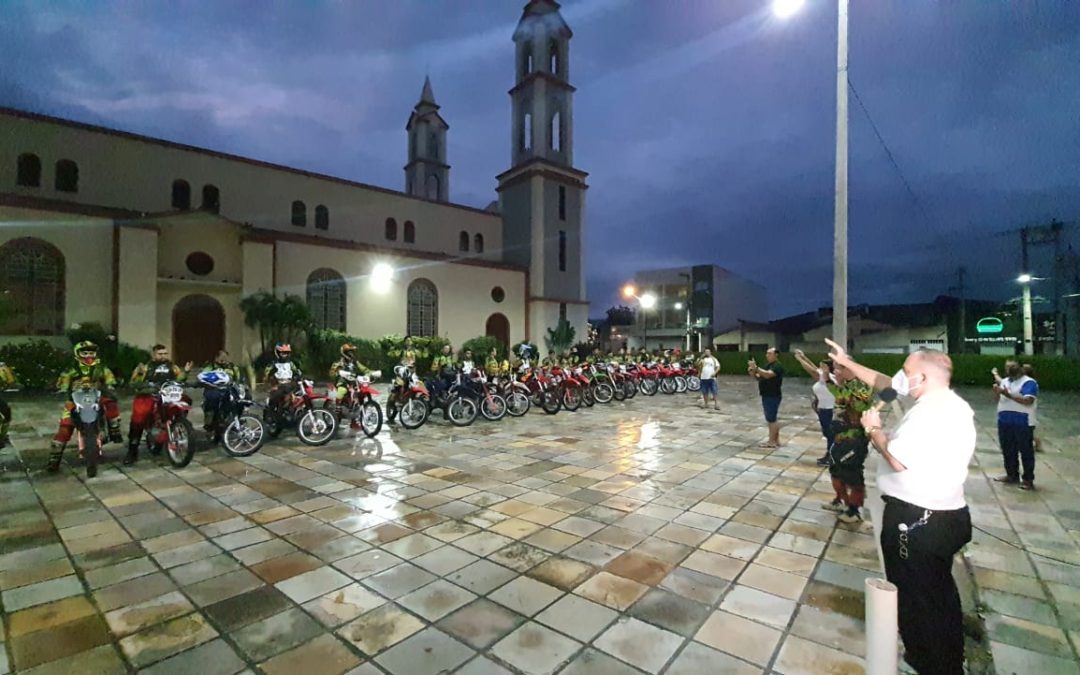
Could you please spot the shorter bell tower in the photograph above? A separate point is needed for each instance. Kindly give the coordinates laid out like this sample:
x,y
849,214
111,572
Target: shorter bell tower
x,y
427,174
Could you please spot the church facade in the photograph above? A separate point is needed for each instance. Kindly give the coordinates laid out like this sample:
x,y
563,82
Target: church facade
x,y
160,241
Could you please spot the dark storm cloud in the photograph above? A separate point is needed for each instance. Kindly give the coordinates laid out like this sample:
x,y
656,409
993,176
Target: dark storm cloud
x,y
707,127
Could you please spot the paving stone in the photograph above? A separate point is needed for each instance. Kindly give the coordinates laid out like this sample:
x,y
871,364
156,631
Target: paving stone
x,y
275,634
429,652
380,628
343,605
247,608
739,637
535,650
324,654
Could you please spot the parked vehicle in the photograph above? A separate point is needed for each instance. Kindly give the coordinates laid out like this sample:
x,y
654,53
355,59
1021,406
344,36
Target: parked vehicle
x,y
314,425
169,427
359,409
409,399
89,432
240,433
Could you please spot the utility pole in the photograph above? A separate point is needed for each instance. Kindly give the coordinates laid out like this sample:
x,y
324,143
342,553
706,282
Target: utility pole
x,y
840,221
963,311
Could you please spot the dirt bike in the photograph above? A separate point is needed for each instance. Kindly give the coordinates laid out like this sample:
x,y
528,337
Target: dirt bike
x,y
169,427
241,434
314,426
88,431
409,399
541,389
359,406
648,379
603,390
693,381
568,388
492,404
578,374
517,396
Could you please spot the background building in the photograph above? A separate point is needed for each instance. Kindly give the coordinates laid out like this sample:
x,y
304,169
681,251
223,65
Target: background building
x,y
160,240
692,305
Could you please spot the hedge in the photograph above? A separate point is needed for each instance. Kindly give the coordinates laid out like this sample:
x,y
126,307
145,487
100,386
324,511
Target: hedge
x,y
1054,373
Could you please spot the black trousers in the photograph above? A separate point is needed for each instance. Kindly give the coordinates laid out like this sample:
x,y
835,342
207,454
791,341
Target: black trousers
x,y
1017,439
930,617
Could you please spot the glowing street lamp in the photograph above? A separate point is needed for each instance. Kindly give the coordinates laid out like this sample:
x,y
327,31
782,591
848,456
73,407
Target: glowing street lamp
x,y
382,277
629,291
1029,331
784,9
648,301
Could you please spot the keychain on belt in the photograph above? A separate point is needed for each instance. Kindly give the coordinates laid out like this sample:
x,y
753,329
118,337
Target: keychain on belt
x,y
906,529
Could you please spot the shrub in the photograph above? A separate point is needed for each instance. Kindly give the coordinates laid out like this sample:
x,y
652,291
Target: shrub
x,y
36,363
324,347
481,346
534,350
124,360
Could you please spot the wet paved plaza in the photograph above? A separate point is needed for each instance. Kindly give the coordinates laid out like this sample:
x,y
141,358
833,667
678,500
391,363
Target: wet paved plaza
x,y
645,537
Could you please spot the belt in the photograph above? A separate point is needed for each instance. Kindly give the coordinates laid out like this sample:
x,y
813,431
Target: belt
x,y
888,499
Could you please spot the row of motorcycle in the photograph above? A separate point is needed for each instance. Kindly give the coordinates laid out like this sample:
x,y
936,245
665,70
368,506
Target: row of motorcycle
x,y
463,394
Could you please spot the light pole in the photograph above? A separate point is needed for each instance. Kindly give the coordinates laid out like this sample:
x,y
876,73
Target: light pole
x,y
647,301
689,302
1025,280
785,9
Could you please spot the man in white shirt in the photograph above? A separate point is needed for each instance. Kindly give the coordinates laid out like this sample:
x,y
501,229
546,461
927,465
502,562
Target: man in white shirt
x,y
926,519
708,367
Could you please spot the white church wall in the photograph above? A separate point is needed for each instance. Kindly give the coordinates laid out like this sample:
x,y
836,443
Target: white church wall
x,y
465,291
137,310
124,171
87,246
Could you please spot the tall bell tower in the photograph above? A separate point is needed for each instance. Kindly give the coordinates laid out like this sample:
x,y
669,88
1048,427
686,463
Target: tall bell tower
x,y
427,174
542,195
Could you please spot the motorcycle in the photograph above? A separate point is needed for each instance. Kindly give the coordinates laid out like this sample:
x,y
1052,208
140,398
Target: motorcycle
x,y
169,428
241,434
409,399
568,388
491,404
88,431
541,389
603,390
314,426
517,396
359,405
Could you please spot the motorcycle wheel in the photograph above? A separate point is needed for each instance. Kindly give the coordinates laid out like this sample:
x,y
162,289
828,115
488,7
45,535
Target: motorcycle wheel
x,y
549,401
667,385
649,386
244,436
414,413
92,452
680,384
272,422
631,390
571,398
370,419
493,407
316,427
618,391
463,411
180,447
603,392
693,383
517,404
587,397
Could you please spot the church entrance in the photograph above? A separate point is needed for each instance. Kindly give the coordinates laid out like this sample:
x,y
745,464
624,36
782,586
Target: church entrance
x,y
198,329
498,327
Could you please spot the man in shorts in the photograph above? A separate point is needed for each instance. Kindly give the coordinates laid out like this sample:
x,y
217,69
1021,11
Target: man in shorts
x,y
770,379
708,367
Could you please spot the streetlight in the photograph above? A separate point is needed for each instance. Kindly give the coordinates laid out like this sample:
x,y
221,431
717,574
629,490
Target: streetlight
x,y
648,301
785,9
382,276
1025,279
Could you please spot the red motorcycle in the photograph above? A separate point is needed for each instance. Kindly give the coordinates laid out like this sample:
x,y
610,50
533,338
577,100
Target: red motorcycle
x,y
314,426
541,389
568,387
411,399
169,427
359,405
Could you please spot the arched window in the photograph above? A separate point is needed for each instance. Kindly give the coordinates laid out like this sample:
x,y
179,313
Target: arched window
x,y
211,199
433,146
463,241
432,187
67,176
478,243
553,57
29,170
410,232
181,194
422,317
527,126
391,229
322,217
326,299
299,213
555,131
32,280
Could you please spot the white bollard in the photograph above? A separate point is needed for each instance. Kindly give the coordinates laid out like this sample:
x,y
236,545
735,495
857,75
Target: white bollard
x,y
881,640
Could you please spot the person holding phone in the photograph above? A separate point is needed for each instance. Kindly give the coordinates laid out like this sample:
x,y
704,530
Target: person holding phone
x,y
770,379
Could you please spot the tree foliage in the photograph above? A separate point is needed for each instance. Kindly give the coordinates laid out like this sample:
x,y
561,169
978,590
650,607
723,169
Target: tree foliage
x,y
561,337
620,315
277,319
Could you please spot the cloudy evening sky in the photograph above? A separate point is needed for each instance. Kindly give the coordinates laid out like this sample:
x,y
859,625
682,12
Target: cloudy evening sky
x,y
707,126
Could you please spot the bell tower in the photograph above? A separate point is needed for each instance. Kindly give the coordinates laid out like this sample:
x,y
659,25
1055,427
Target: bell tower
x,y
542,195
427,174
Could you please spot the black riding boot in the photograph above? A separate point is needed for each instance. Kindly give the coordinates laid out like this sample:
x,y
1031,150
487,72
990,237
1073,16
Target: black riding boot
x,y
132,455
56,454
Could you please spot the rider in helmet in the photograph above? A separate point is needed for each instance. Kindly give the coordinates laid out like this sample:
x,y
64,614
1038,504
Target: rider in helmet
x,y
492,367
148,378
212,397
443,363
282,374
87,372
344,367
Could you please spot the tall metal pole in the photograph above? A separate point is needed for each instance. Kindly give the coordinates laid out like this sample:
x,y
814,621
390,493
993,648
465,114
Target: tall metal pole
x,y
963,313
840,225
1029,345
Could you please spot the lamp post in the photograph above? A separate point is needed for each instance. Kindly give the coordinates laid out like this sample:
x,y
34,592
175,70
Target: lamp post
x,y
647,301
689,302
1025,280
784,9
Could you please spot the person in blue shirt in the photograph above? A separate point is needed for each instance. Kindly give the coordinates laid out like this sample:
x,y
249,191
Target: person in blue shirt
x,y
1017,394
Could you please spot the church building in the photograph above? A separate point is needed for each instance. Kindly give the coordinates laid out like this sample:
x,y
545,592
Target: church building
x,y
160,240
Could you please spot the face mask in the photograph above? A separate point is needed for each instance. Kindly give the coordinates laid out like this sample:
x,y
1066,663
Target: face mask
x,y
903,385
